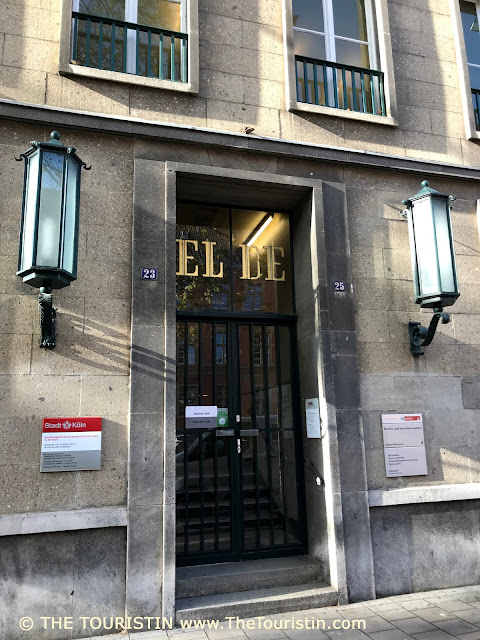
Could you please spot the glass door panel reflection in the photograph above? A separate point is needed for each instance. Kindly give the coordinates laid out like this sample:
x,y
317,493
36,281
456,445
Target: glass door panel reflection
x,y
269,474
203,459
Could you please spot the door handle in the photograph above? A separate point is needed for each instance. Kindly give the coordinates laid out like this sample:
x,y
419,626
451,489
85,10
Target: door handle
x,y
249,432
225,432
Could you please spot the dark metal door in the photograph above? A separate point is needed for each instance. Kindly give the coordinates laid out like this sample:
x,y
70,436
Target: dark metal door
x,y
239,484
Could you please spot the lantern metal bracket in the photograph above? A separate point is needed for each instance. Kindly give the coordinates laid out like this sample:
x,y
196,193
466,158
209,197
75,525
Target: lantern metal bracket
x,y
421,336
48,316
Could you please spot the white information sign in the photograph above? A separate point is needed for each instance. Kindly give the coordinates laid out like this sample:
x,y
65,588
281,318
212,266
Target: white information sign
x,y
201,417
312,415
405,461
402,430
404,444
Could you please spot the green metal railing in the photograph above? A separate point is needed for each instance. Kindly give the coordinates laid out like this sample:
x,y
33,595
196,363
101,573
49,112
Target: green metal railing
x,y
105,43
476,107
341,86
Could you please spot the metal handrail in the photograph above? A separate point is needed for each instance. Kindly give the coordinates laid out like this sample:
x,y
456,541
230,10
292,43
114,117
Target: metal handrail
x,y
124,28
331,77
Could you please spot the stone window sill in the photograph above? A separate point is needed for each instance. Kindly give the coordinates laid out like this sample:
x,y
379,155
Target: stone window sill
x,y
127,78
341,113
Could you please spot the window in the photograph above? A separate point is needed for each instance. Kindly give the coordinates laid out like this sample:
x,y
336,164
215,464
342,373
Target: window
x,y
467,40
339,57
148,42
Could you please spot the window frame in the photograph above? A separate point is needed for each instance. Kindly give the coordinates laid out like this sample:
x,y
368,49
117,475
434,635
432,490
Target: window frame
x,y
189,21
380,53
471,132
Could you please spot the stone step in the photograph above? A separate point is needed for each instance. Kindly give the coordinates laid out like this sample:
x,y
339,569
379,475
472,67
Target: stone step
x,y
228,577
259,602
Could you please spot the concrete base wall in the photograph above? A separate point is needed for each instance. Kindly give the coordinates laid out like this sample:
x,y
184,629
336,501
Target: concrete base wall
x,y
420,547
75,574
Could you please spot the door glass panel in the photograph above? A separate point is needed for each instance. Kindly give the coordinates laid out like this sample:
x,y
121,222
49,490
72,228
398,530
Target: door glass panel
x,y
308,14
103,8
310,45
470,31
248,259
269,478
261,261
203,257
352,53
349,19
163,14
203,472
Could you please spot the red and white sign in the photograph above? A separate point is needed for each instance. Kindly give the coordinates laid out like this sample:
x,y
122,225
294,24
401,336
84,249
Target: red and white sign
x,y
404,444
71,444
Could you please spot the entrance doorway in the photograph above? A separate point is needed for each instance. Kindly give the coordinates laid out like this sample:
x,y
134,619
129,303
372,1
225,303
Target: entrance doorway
x,y
239,482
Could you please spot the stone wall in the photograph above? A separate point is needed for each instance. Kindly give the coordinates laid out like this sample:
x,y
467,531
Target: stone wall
x,y
87,374
441,384
242,79
70,574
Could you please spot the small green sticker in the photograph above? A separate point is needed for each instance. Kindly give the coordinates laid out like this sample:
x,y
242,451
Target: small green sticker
x,y
222,418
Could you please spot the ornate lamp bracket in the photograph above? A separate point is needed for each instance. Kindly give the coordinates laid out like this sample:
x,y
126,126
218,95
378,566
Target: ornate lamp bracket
x,y
48,315
421,336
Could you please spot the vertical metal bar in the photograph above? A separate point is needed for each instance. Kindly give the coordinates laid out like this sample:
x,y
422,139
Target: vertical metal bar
x,y
280,429
315,82
325,84
296,80
185,441
112,48
100,44
172,59
354,92
254,426
305,80
137,52
125,38
75,39
335,86
364,98
201,484
345,96
149,54
200,439
382,94
87,52
478,112
160,59
269,434
184,57
372,89
215,450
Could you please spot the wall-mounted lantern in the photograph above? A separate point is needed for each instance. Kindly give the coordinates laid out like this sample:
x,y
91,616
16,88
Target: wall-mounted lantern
x,y
49,229
433,260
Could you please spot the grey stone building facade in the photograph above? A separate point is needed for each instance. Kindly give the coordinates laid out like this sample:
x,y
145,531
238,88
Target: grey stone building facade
x,y
320,117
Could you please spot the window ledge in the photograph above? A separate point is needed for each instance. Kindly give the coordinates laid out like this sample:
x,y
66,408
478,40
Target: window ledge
x,y
127,78
474,135
342,113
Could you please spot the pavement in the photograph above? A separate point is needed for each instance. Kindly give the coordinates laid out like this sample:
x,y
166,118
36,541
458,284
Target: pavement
x,y
432,615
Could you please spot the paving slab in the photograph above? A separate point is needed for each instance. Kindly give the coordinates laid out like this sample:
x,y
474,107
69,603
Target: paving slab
x,y
433,614
400,614
414,625
474,635
456,626
391,634
453,605
377,623
412,605
438,634
470,615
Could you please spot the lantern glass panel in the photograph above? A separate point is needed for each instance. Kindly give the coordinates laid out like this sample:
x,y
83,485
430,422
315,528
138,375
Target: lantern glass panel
x,y
426,247
71,213
29,215
50,215
444,248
